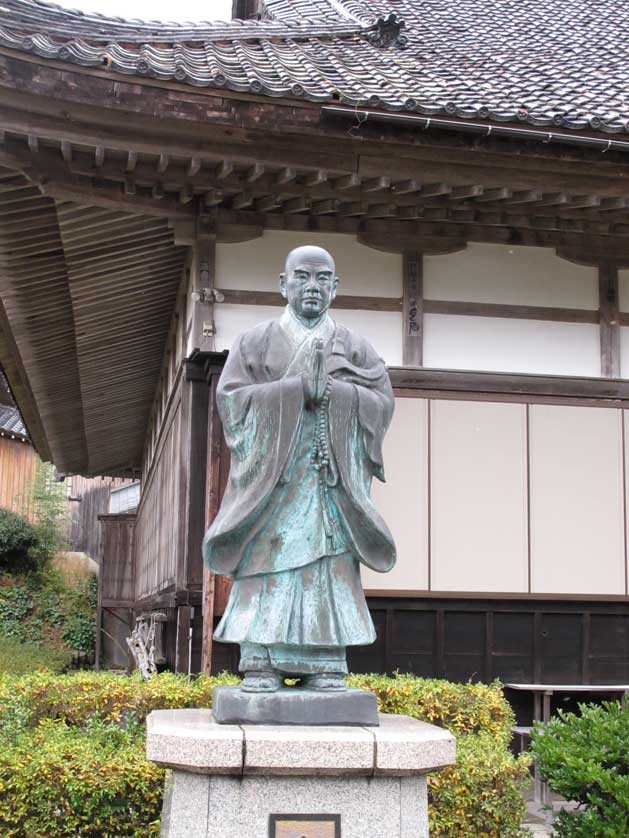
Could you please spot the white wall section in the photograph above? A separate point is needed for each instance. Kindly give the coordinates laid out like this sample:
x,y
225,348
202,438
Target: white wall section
x,y
403,499
479,523
495,273
510,345
577,503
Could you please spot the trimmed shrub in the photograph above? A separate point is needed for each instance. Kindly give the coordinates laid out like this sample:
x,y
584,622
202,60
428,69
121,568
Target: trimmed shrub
x,y
481,795
50,714
61,782
585,758
18,539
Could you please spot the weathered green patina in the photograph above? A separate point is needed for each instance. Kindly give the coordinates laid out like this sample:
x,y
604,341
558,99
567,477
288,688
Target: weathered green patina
x,y
305,404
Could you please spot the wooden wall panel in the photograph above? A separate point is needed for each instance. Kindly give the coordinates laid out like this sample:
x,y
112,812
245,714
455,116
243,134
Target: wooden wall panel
x,y
478,496
522,641
403,499
157,534
577,504
117,559
17,468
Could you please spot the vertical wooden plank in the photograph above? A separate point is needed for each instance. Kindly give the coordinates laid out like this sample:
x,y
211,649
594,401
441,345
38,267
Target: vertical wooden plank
x,y
413,309
204,267
214,432
609,320
440,641
586,627
489,646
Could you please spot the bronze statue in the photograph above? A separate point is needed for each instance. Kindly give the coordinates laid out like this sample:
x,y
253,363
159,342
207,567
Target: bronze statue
x,y
305,404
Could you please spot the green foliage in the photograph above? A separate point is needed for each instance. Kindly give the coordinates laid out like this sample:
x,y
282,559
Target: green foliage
x,y
79,698
60,781
586,759
18,658
42,608
77,726
17,539
481,795
46,504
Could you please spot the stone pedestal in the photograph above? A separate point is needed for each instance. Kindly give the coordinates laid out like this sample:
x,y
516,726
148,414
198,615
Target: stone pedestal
x,y
294,706
254,781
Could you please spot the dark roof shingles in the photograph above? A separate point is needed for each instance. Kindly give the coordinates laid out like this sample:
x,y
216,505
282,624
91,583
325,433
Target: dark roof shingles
x,y
561,62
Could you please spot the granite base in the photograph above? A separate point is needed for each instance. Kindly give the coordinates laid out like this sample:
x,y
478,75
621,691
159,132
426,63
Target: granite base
x,y
294,706
229,780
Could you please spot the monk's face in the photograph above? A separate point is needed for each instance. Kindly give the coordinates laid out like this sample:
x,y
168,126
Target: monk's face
x,y
309,282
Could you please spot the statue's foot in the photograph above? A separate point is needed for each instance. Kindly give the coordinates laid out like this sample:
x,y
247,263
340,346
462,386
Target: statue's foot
x,y
261,681
325,682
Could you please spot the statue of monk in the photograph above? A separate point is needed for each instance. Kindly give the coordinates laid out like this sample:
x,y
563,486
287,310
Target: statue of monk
x,y
305,404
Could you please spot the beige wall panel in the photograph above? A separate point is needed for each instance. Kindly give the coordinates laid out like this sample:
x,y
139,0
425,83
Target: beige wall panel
x,y
479,497
577,507
510,345
403,499
256,264
383,329
623,290
495,273
624,351
230,320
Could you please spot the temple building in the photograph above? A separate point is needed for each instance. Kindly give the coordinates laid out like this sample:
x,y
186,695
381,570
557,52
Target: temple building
x,y
466,163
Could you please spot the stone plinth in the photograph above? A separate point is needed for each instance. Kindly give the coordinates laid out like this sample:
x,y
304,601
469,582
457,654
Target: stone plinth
x,y
293,706
229,780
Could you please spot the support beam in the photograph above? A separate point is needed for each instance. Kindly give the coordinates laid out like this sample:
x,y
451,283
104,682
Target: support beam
x,y
609,320
412,351
203,285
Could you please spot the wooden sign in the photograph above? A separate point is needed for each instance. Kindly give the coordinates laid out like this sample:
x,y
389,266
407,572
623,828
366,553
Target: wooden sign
x,y
305,826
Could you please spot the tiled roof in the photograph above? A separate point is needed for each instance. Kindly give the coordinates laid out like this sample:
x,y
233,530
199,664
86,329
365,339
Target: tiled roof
x,y
11,423
558,62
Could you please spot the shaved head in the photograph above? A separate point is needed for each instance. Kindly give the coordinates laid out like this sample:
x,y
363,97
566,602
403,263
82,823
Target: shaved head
x,y
308,253
309,282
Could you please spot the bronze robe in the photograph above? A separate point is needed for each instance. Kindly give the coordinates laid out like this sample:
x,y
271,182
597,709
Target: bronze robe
x,y
290,535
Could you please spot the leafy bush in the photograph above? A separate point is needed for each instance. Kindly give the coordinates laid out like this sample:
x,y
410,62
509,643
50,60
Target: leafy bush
x,y
79,698
586,759
42,608
64,721
18,658
482,794
63,781
17,539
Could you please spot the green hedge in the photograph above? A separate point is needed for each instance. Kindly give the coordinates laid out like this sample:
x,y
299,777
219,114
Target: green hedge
x,y
585,758
85,737
480,796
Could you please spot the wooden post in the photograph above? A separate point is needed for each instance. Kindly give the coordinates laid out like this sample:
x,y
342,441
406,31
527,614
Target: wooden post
x,y
213,501
203,327
609,320
413,309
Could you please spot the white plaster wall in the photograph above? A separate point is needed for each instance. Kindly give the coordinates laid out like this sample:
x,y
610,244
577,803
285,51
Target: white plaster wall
x,y
623,290
381,328
511,345
495,273
403,499
577,503
257,264
624,351
478,478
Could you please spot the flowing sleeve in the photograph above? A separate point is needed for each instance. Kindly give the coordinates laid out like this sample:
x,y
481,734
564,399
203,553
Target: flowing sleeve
x,y
261,419
361,407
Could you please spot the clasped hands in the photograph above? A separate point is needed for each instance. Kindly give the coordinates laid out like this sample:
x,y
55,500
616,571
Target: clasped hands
x,y
315,378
